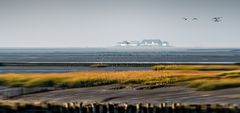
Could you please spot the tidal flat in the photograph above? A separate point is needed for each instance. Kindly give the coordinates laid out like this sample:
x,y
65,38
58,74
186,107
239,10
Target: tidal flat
x,y
185,84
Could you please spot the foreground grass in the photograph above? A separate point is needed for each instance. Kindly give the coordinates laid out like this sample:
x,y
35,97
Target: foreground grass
x,y
229,79
228,76
84,79
197,67
194,78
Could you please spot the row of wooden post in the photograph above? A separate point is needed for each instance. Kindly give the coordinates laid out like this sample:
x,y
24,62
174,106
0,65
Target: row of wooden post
x,y
76,107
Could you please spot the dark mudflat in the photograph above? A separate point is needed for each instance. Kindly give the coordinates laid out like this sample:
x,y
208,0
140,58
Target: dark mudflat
x,y
122,94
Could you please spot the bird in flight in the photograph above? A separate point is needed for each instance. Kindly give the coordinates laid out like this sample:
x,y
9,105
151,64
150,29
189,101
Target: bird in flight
x,y
195,19
217,19
185,18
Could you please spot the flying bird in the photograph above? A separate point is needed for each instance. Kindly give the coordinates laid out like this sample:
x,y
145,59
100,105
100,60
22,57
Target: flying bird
x,y
195,19
185,18
217,19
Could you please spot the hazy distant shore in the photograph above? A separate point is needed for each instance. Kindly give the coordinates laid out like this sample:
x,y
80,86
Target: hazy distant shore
x,y
57,67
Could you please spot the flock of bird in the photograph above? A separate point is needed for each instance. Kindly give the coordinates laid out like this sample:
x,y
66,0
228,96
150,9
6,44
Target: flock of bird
x,y
215,19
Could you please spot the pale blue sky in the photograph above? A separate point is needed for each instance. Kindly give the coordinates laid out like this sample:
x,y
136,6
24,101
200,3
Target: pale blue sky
x,y
99,23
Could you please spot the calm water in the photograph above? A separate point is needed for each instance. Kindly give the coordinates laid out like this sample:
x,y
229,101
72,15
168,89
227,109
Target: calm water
x,y
57,69
111,55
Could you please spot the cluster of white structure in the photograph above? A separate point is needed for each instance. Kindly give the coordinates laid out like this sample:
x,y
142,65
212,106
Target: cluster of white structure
x,y
144,43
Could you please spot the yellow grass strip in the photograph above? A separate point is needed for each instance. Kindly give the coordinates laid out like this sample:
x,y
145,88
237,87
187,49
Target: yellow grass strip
x,y
84,79
197,67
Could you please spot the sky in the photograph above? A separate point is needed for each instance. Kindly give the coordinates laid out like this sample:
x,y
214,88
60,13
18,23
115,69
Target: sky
x,y
103,23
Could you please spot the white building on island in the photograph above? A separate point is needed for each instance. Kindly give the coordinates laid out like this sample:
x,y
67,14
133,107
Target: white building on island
x,y
151,42
144,43
128,43
165,44
123,43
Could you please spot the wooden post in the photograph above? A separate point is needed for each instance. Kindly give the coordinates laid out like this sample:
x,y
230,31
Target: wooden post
x,y
125,106
139,108
115,108
165,108
103,108
148,107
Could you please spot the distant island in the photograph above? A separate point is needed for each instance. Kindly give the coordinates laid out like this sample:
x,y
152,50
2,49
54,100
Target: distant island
x,y
144,43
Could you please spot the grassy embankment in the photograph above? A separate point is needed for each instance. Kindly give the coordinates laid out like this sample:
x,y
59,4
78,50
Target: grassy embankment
x,y
201,77
228,76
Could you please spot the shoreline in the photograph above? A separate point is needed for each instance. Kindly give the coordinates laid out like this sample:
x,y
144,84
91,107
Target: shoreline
x,y
140,64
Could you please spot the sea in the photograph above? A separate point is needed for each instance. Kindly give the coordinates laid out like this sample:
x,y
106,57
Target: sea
x,y
112,55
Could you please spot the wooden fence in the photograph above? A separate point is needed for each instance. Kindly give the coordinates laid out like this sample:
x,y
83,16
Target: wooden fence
x,y
76,107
